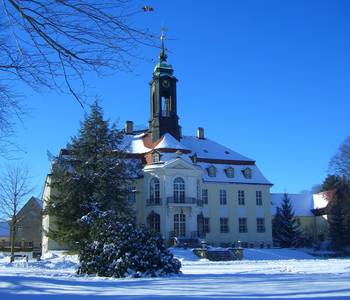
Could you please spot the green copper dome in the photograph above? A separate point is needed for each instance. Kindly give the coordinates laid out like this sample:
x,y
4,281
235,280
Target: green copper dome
x,y
162,67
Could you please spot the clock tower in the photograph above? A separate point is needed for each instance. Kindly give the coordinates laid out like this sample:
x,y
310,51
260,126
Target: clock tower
x,y
163,106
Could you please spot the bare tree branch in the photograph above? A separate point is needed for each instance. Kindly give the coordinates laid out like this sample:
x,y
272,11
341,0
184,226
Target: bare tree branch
x,y
53,44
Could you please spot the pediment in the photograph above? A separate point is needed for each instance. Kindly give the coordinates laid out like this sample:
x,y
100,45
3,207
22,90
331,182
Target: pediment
x,y
179,164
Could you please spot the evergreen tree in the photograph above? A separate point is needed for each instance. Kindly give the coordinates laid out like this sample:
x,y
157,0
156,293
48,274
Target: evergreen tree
x,y
338,214
285,229
92,176
118,249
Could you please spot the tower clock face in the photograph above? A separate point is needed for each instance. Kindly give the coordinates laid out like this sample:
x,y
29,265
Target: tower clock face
x,y
166,83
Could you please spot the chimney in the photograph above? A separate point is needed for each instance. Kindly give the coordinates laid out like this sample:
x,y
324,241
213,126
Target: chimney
x,y
129,127
200,133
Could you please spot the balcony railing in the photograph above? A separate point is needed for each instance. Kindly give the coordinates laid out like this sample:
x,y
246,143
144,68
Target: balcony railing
x,y
153,202
184,200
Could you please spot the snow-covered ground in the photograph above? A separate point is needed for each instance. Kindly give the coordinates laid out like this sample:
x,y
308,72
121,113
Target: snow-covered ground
x,y
264,274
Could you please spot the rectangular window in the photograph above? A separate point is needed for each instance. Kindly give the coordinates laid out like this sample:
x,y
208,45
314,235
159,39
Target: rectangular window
x,y
242,225
223,198
241,200
260,225
206,225
223,225
205,196
259,198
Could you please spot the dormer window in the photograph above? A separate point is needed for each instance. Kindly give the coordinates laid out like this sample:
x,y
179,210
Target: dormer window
x,y
247,173
211,171
155,157
230,172
194,158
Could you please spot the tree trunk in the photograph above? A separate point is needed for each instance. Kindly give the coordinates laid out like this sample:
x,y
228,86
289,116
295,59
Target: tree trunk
x,y
13,239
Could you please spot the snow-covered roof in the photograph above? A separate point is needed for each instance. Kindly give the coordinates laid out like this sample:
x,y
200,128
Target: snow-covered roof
x,y
321,199
206,148
4,229
134,144
302,203
211,153
169,142
257,176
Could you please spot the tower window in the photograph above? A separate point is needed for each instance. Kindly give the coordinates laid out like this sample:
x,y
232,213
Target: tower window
x,y
166,106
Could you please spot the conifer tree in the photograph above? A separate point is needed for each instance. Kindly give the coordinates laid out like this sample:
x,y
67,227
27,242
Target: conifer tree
x,y
91,175
338,214
119,249
285,229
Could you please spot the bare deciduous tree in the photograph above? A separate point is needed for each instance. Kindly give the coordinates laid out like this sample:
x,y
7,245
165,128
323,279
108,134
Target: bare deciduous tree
x,y
54,43
14,190
340,163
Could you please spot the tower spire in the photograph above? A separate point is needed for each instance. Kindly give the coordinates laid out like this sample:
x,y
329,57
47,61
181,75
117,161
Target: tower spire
x,y
162,55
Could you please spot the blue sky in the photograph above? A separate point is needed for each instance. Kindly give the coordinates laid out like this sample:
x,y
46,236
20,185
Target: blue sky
x,y
269,79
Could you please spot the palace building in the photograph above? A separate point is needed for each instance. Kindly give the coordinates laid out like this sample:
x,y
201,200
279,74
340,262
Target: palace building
x,y
191,186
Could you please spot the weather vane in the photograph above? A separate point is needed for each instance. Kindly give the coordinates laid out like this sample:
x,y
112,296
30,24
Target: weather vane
x,y
162,55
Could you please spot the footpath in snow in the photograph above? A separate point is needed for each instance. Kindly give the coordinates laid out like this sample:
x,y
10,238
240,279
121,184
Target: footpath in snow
x,y
264,274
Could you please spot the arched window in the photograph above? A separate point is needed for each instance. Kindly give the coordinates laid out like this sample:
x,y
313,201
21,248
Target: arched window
x,y
154,194
180,225
179,190
153,221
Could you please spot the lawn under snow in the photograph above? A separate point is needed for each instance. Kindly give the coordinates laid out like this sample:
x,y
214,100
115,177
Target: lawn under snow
x,y
264,274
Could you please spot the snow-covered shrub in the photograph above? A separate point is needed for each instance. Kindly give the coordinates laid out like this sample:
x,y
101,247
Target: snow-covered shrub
x,y
120,249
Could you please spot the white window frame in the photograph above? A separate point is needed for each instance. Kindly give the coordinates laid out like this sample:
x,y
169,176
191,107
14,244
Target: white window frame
x,y
179,190
154,191
241,197
223,197
242,225
258,198
224,225
260,225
